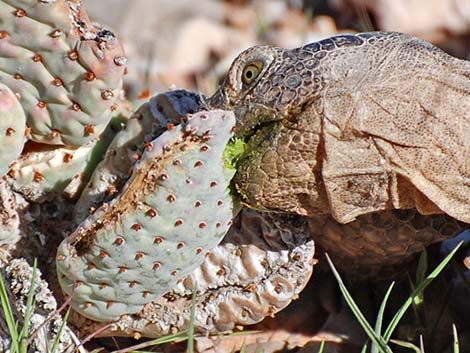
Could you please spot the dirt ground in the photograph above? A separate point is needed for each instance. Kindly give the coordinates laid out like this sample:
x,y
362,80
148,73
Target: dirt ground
x,y
179,44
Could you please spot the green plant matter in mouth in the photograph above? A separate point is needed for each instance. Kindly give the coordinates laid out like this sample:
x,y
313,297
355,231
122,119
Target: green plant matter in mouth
x,y
233,151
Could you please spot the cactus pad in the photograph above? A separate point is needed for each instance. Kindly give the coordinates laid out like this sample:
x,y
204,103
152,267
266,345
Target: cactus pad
x,y
44,171
262,264
66,72
149,121
12,125
39,175
174,208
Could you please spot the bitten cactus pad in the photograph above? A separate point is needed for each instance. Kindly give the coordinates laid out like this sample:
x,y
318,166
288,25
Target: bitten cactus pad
x,y
174,208
66,71
148,122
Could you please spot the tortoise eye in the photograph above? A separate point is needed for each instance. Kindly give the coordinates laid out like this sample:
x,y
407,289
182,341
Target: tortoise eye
x,y
251,72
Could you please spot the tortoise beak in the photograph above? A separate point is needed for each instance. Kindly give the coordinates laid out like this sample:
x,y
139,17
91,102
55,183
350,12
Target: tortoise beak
x,y
219,100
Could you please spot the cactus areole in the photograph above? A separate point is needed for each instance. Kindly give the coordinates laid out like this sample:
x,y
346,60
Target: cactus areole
x,y
175,208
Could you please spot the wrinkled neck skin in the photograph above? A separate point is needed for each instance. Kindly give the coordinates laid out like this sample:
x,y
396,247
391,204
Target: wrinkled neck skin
x,y
351,125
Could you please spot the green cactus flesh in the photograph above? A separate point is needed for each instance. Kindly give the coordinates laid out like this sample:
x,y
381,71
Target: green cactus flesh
x,y
12,125
175,207
233,152
66,72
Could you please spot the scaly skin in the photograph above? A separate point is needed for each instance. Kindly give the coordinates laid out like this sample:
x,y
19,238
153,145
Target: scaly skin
x,y
352,125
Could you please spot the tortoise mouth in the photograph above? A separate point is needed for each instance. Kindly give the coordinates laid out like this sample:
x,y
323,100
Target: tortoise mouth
x,y
258,129
248,125
258,116
256,139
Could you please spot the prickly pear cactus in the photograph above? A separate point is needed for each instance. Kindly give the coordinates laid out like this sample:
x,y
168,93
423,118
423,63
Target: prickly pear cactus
x,y
174,208
262,264
12,125
148,122
43,172
66,73
38,174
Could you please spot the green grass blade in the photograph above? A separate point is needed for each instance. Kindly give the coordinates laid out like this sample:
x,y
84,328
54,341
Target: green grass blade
x,y
190,348
243,347
29,310
422,266
398,316
456,339
10,319
380,314
59,333
376,339
420,276
417,304
322,347
364,348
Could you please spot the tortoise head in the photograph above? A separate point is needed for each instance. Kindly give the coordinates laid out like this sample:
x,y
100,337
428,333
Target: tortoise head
x,y
266,84
272,92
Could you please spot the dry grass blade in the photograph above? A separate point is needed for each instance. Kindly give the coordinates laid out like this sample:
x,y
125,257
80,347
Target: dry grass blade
x,y
407,345
178,337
